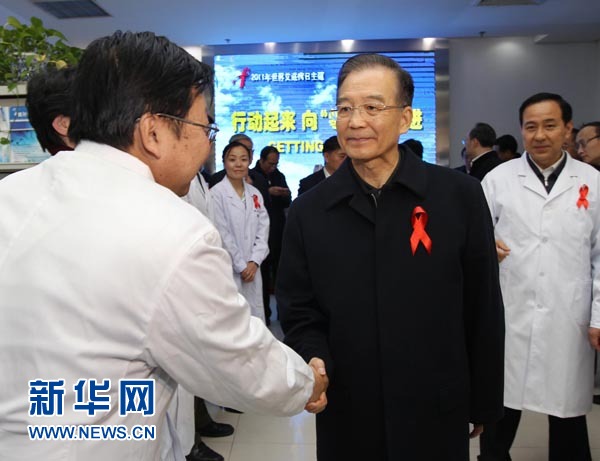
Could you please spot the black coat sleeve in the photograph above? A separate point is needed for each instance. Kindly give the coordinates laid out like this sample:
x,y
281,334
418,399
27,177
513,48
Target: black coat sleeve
x,y
303,322
484,314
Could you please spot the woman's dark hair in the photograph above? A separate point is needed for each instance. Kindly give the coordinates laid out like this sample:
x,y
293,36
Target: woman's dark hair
x,y
233,144
127,74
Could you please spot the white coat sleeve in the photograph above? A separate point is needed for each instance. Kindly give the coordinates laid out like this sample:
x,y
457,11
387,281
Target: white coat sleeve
x,y
488,190
595,256
260,248
202,334
223,225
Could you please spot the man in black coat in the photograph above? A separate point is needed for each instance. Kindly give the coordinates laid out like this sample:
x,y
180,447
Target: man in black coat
x,y
334,156
389,274
480,152
277,204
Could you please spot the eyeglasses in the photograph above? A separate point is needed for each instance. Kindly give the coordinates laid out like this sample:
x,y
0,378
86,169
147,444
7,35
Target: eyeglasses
x,y
211,130
584,142
371,109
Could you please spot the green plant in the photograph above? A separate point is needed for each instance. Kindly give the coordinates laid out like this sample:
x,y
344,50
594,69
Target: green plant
x,y
28,48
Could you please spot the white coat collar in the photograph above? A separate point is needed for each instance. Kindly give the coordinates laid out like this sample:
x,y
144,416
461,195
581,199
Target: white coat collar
x,y
566,180
115,156
233,195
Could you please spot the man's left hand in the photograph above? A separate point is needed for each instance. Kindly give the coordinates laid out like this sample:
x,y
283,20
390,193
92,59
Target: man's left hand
x,y
594,336
477,430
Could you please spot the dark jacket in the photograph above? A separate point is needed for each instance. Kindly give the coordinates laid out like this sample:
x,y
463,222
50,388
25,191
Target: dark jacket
x,y
484,164
311,181
276,207
413,344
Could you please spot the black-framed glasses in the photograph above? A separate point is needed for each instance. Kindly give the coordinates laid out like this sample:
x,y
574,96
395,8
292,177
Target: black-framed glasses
x,y
584,142
371,109
211,130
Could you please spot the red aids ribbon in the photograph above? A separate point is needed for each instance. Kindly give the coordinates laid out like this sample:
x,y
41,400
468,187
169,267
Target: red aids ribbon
x,y
257,203
419,221
582,201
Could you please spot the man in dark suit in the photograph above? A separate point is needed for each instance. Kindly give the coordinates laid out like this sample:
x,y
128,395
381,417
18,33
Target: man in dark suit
x,y
390,277
278,202
334,156
480,150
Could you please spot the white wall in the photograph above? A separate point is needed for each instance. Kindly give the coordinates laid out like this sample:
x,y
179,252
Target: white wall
x,y
491,77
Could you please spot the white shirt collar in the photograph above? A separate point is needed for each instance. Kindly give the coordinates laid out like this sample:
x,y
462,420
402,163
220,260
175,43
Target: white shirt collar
x,y
113,155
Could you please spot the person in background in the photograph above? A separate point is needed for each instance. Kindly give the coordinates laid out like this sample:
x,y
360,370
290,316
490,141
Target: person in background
x,y
277,205
243,222
110,279
464,168
254,179
415,146
379,260
506,148
48,104
571,145
333,155
588,143
480,150
546,213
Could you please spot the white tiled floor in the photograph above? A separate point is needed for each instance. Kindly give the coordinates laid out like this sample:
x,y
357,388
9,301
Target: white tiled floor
x,y
264,438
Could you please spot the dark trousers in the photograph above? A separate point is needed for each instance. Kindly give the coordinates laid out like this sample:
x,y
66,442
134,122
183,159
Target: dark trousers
x,y
265,272
568,438
201,416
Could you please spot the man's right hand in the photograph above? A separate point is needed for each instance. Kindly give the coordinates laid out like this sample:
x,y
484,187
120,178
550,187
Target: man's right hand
x,y
318,399
502,250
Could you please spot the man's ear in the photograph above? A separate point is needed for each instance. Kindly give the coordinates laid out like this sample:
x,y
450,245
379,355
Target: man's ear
x,y
150,135
406,119
61,124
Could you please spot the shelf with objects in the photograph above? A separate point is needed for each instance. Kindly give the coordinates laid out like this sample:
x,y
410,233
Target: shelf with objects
x,y
19,147
26,50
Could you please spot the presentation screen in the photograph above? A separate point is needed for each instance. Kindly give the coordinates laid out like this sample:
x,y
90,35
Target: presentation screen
x,y
284,100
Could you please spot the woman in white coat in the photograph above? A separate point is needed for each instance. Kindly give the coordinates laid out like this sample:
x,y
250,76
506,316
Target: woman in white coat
x,y
243,222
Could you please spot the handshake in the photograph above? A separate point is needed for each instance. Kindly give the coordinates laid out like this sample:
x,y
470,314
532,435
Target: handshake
x,y
318,399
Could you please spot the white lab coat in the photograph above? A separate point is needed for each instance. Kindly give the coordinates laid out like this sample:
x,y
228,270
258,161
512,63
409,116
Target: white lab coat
x,y
244,228
104,274
180,413
199,196
550,284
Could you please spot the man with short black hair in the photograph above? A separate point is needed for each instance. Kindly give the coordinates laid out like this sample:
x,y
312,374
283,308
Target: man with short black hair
x,y
546,212
334,156
111,280
480,150
49,107
506,147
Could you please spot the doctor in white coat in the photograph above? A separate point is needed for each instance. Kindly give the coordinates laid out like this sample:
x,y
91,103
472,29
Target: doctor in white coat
x,y
108,276
545,208
243,222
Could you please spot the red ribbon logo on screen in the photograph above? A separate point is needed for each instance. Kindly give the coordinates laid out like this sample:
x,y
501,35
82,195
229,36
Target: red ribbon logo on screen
x,y
242,77
256,202
419,221
582,201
